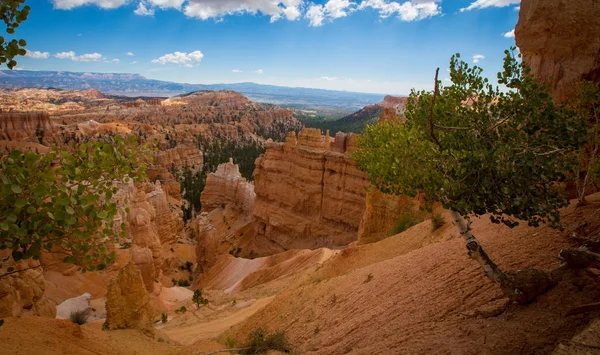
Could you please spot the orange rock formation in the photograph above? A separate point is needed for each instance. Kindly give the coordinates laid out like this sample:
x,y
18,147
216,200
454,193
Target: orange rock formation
x,y
226,186
310,193
560,41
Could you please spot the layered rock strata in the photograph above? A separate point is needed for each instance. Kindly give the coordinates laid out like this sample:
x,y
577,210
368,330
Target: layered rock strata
x,y
560,41
311,194
227,187
308,195
19,126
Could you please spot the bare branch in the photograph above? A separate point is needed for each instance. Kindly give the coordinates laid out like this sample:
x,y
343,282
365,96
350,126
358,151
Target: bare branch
x,y
435,94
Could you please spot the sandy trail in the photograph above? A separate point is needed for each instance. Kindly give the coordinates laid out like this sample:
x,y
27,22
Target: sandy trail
x,y
187,335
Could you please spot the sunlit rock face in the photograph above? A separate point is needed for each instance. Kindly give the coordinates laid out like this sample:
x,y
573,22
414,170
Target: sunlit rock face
x,y
128,301
309,192
226,186
20,126
560,41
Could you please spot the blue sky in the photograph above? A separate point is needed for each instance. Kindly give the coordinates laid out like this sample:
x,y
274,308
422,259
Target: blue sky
x,y
379,46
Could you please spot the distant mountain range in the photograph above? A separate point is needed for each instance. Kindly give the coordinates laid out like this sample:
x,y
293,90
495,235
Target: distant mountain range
x,y
137,85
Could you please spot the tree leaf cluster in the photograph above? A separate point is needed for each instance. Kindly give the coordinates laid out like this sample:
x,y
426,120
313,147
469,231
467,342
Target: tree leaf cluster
x,y
479,149
12,13
62,202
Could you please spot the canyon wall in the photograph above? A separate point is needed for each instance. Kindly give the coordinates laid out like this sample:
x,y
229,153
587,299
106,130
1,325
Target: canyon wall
x,y
18,126
309,192
176,159
226,186
560,41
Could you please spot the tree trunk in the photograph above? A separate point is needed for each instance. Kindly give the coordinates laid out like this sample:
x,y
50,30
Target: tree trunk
x,y
491,270
522,286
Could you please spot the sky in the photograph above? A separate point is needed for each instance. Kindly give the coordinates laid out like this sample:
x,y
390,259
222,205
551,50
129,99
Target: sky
x,y
375,46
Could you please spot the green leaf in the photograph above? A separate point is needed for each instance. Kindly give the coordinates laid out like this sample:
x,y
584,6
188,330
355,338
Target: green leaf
x,y
102,214
20,203
70,260
69,210
17,255
16,189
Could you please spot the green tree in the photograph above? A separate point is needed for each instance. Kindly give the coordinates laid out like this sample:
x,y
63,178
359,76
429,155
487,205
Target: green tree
x,y
13,15
198,299
61,202
481,150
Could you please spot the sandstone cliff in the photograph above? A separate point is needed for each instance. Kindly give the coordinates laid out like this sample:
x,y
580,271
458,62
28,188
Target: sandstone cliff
x,y
127,301
176,159
308,196
227,187
19,126
560,40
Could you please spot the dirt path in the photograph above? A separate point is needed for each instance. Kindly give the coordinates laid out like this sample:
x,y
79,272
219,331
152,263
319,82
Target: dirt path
x,y
187,335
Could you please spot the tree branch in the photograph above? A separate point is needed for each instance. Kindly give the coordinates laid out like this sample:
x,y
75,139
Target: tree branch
x,y
21,270
431,123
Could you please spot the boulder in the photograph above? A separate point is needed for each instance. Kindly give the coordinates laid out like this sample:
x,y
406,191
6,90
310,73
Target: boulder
x,y
76,304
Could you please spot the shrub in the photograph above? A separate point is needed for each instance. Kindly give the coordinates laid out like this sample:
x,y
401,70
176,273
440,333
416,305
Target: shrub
x,y
187,266
181,310
198,299
406,221
183,283
437,220
230,342
260,342
164,317
78,317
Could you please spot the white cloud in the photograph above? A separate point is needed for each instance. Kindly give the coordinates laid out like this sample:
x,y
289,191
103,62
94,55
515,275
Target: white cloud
x,y
105,4
37,55
413,10
88,57
482,4
181,58
477,58
509,34
315,15
276,9
134,62
331,10
328,78
236,71
166,4
116,61
259,71
143,10
130,54
338,8
517,8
